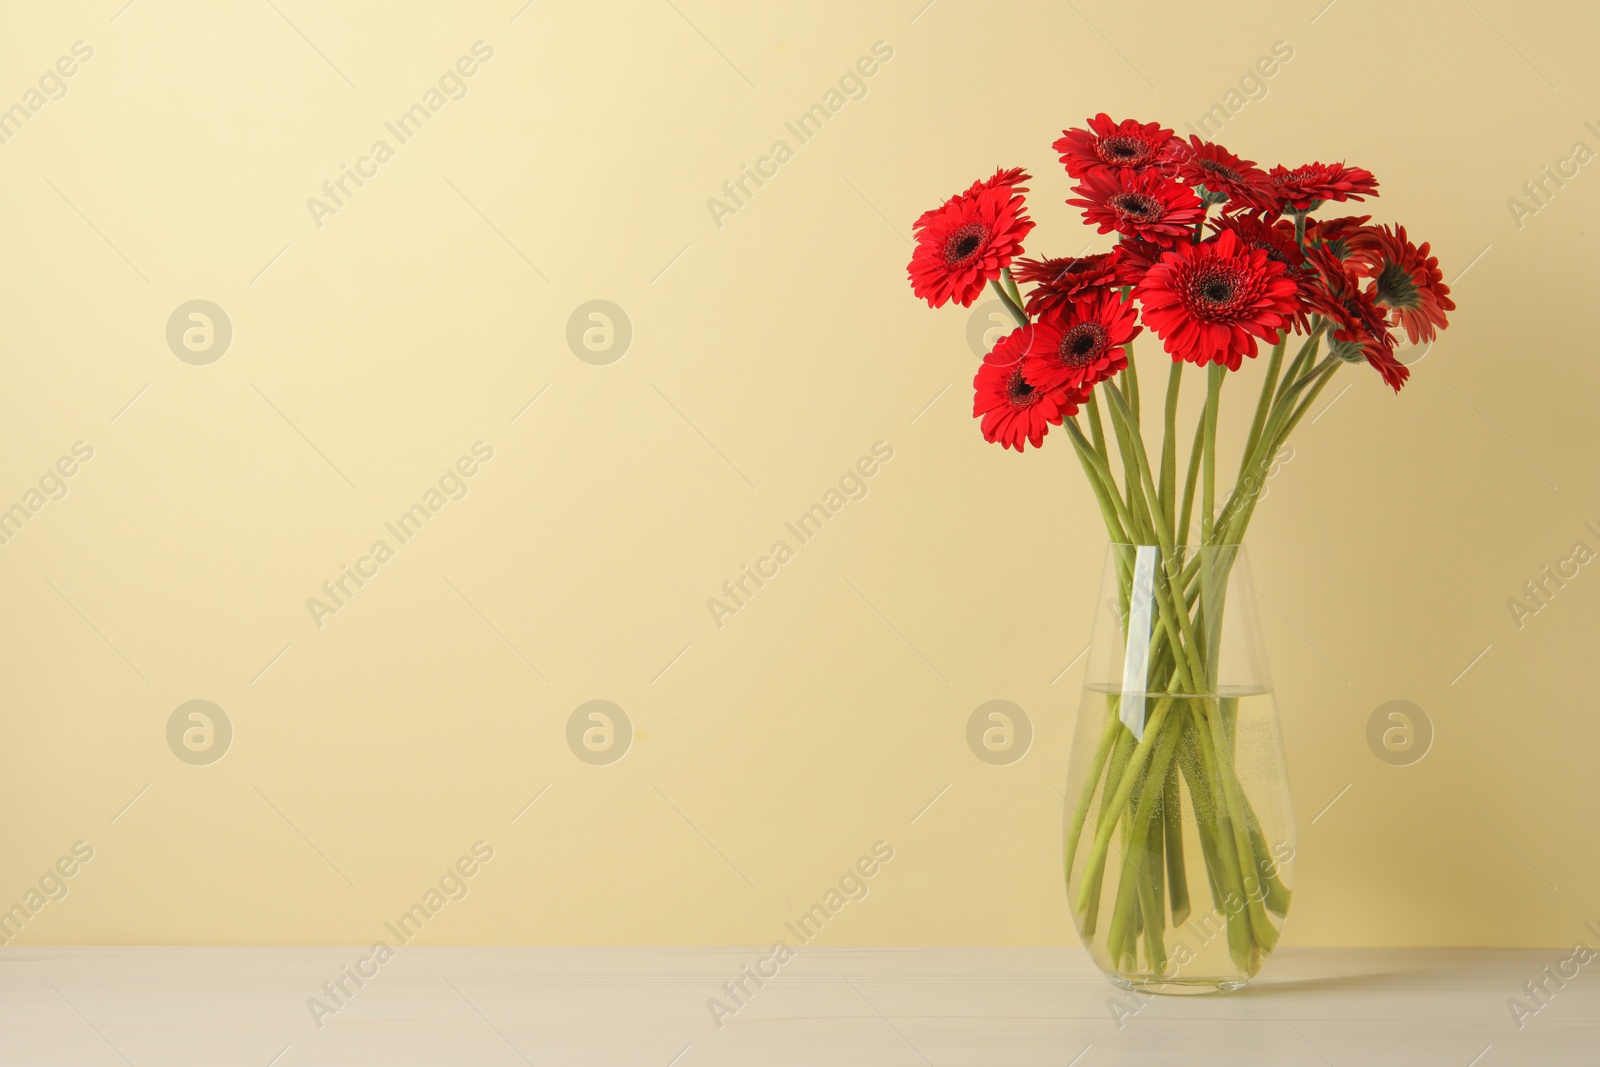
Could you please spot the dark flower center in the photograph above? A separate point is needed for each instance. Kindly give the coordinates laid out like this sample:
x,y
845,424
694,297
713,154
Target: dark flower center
x,y
1211,166
1081,344
1396,288
1137,206
1271,242
1124,149
1019,392
1215,293
964,243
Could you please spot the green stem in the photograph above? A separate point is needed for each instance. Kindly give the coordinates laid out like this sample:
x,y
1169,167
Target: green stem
x,y
1118,522
1181,530
1286,415
1150,856
1172,828
1302,358
1130,375
1013,306
1011,285
1328,372
1201,802
1266,935
1139,859
1169,448
1241,939
1310,376
1112,810
1108,817
1134,471
1268,384
1096,430
1108,738
1187,671
1209,475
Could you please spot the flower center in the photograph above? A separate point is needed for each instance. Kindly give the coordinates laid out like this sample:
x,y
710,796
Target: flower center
x,y
1273,251
1214,293
1137,206
1019,392
964,243
1211,166
1082,344
1123,150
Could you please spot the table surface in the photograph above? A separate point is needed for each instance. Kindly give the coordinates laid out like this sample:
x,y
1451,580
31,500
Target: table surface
x,y
900,1007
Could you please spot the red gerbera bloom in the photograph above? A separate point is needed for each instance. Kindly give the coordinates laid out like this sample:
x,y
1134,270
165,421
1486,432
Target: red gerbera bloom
x,y
1303,188
1210,302
1277,240
1238,181
1336,233
1108,145
1134,258
1404,278
1139,204
1007,177
967,243
1010,178
1356,323
1012,409
1057,281
1076,349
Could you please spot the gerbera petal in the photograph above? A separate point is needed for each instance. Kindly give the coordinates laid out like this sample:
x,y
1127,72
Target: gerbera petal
x,y
1209,302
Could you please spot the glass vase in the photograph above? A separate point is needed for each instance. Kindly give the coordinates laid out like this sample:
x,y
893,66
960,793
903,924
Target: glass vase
x,y
1180,839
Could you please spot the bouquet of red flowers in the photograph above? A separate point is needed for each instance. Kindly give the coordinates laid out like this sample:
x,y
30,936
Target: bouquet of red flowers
x,y
1217,258
1211,288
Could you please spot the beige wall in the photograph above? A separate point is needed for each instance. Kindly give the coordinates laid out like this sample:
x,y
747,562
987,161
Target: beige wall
x,y
769,353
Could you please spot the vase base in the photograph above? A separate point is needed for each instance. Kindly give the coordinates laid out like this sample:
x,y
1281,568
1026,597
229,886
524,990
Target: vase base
x,y
1180,986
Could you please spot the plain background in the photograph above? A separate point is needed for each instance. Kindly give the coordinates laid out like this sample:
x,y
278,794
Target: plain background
x,y
768,354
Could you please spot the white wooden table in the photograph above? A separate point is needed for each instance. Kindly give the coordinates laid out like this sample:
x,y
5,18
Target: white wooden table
x,y
903,1007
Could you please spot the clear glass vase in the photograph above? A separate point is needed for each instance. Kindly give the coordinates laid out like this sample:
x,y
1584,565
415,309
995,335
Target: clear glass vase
x,y
1180,836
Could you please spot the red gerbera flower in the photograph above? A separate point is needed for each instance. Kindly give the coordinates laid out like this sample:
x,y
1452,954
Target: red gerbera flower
x,y
1404,278
1227,177
1135,258
1336,233
1139,204
1277,240
1057,281
967,243
1356,323
1012,409
1303,188
1076,349
1006,177
1108,145
1210,302
1010,178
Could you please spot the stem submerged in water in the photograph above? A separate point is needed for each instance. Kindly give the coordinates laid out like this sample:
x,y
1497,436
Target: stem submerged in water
x,y
1132,799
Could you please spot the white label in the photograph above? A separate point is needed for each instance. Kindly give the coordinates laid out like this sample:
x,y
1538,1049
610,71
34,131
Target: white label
x,y
1136,663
